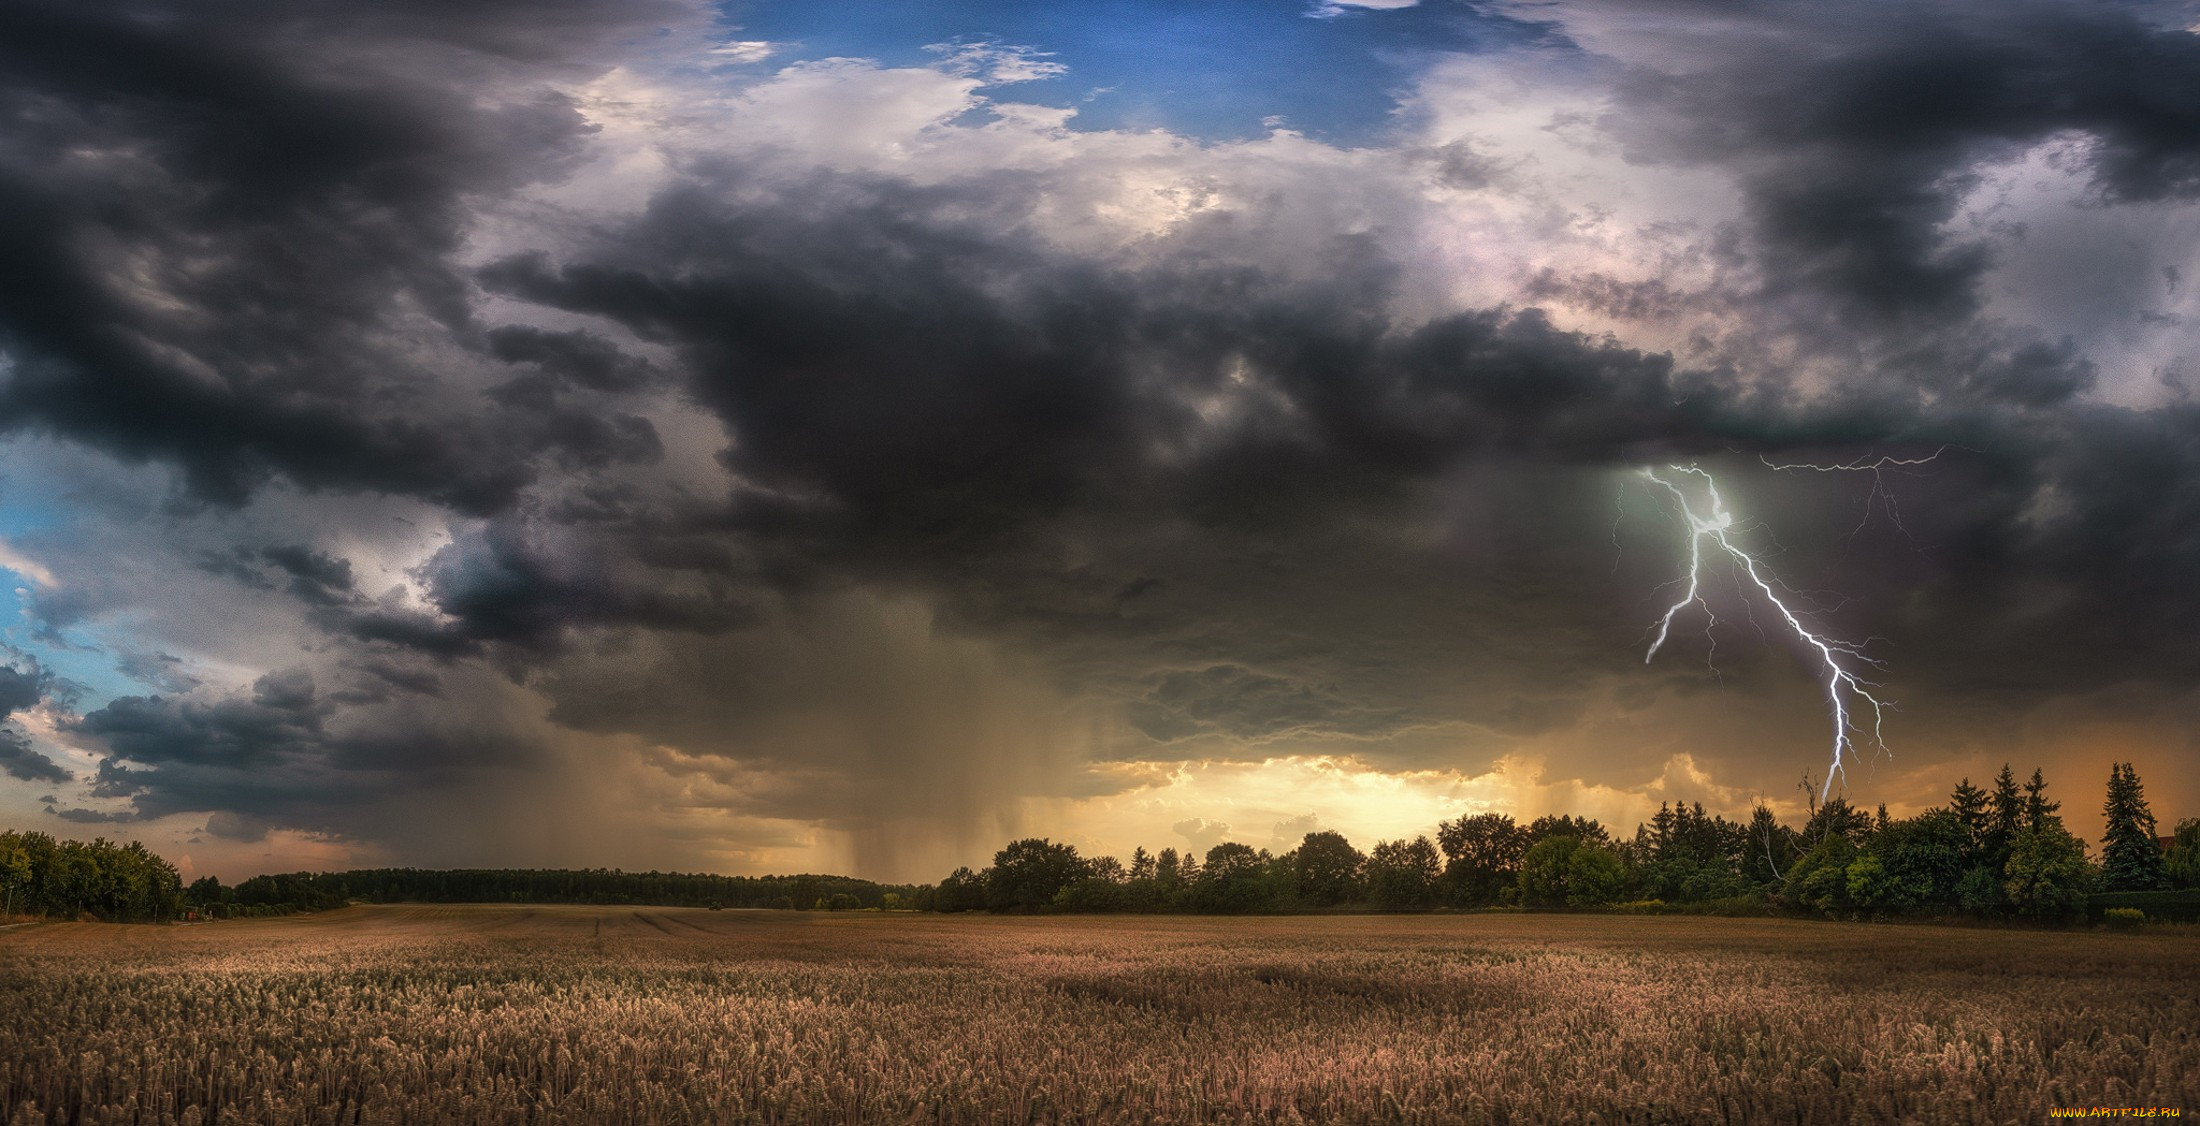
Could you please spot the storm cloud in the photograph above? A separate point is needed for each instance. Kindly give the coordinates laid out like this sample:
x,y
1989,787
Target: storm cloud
x,y
550,412
19,690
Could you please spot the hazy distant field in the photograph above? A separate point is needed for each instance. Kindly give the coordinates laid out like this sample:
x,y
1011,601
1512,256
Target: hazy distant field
x,y
511,1014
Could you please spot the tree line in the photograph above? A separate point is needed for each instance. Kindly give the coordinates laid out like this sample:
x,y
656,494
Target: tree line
x,y
1998,851
315,891
127,883
1992,851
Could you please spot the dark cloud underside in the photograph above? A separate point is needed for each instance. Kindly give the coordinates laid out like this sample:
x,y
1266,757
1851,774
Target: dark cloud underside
x,y
1227,502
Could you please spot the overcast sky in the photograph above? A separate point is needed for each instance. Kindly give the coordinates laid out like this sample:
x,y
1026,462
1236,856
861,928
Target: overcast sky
x,y
843,436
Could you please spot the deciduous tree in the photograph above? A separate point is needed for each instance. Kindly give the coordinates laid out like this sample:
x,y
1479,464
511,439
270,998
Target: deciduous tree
x,y
1327,869
2047,877
1567,871
2182,863
1403,874
1481,856
1030,872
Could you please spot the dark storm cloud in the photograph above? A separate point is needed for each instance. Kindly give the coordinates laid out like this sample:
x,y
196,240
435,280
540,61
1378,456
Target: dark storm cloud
x,y
1856,128
282,714
80,816
1231,498
939,406
902,387
325,574
222,221
580,358
502,588
895,380
19,760
943,408
19,690
925,401
288,754
314,577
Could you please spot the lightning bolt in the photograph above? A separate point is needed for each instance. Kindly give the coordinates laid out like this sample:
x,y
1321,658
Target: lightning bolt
x,y
1879,497
1849,697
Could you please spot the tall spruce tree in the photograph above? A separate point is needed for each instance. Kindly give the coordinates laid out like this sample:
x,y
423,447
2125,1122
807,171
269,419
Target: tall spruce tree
x,y
2131,860
2038,811
2008,817
1968,803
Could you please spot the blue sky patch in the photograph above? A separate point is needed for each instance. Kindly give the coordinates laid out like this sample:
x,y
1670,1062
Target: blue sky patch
x,y
1217,71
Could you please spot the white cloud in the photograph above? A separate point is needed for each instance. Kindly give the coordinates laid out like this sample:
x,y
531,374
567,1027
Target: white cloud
x,y
1330,9
24,565
996,64
746,50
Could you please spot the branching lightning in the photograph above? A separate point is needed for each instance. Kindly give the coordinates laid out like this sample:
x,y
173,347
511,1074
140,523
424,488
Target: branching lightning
x,y
1879,497
1849,697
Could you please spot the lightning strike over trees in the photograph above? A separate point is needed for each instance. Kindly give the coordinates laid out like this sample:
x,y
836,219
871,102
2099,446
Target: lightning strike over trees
x,y
1849,697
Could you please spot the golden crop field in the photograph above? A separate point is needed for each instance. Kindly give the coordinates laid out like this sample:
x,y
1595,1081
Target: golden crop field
x,y
582,1014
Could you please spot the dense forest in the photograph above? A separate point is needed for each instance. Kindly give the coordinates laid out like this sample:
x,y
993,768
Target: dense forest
x,y
312,891
42,876
2001,851
127,883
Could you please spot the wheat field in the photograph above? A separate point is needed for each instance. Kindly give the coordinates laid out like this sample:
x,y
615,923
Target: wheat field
x,y
585,1014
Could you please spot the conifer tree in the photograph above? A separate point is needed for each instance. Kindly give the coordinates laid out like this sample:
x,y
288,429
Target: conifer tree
x,y
2038,811
2008,817
1969,804
2131,860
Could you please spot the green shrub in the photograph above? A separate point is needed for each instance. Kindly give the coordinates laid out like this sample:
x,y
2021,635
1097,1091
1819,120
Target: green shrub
x,y
2124,918
2160,906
